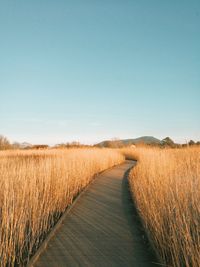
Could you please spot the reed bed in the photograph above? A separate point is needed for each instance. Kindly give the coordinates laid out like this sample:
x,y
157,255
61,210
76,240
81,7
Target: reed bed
x,y
166,190
36,187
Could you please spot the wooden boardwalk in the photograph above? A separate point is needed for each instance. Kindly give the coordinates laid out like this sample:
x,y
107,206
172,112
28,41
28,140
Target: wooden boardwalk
x,y
101,230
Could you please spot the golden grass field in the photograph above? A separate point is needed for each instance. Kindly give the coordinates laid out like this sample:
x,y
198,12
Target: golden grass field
x,y
35,189
166,189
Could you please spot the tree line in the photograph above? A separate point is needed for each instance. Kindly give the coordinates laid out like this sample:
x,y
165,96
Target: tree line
x,y
166,142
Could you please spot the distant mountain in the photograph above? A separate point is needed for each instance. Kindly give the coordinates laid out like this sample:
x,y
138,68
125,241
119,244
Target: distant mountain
x,y
25,145
143,139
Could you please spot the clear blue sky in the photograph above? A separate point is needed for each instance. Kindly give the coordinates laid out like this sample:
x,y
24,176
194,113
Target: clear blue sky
x,y
92,70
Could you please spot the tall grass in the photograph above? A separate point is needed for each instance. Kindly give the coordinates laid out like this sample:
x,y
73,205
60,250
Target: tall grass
x,y
35,189
166,189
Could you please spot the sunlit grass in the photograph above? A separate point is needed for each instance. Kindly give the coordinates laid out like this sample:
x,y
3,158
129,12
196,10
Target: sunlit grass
x,y
35,189
166,189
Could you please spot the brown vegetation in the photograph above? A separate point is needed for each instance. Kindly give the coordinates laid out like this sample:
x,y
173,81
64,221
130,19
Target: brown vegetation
x,y
166,189
35,189
4,143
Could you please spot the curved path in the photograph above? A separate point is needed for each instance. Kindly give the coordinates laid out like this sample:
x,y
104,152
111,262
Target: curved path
x,y
101,229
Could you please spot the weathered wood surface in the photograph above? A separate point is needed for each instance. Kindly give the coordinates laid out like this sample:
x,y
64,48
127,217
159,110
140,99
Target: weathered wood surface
x,y
101,229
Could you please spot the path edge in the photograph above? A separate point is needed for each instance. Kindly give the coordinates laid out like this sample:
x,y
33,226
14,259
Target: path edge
x,y
146,232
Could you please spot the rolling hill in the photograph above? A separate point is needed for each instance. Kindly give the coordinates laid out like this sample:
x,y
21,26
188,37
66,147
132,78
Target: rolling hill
x,y
143,139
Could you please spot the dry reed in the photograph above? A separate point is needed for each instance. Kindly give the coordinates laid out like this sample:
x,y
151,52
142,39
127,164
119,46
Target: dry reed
x,y
166,189
35,189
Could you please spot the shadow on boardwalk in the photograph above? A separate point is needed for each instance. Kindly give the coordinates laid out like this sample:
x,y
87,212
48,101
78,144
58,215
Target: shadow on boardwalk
x,y
101,230
142,245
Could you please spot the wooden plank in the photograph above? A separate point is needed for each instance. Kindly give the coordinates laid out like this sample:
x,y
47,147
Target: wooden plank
x,y
100,229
